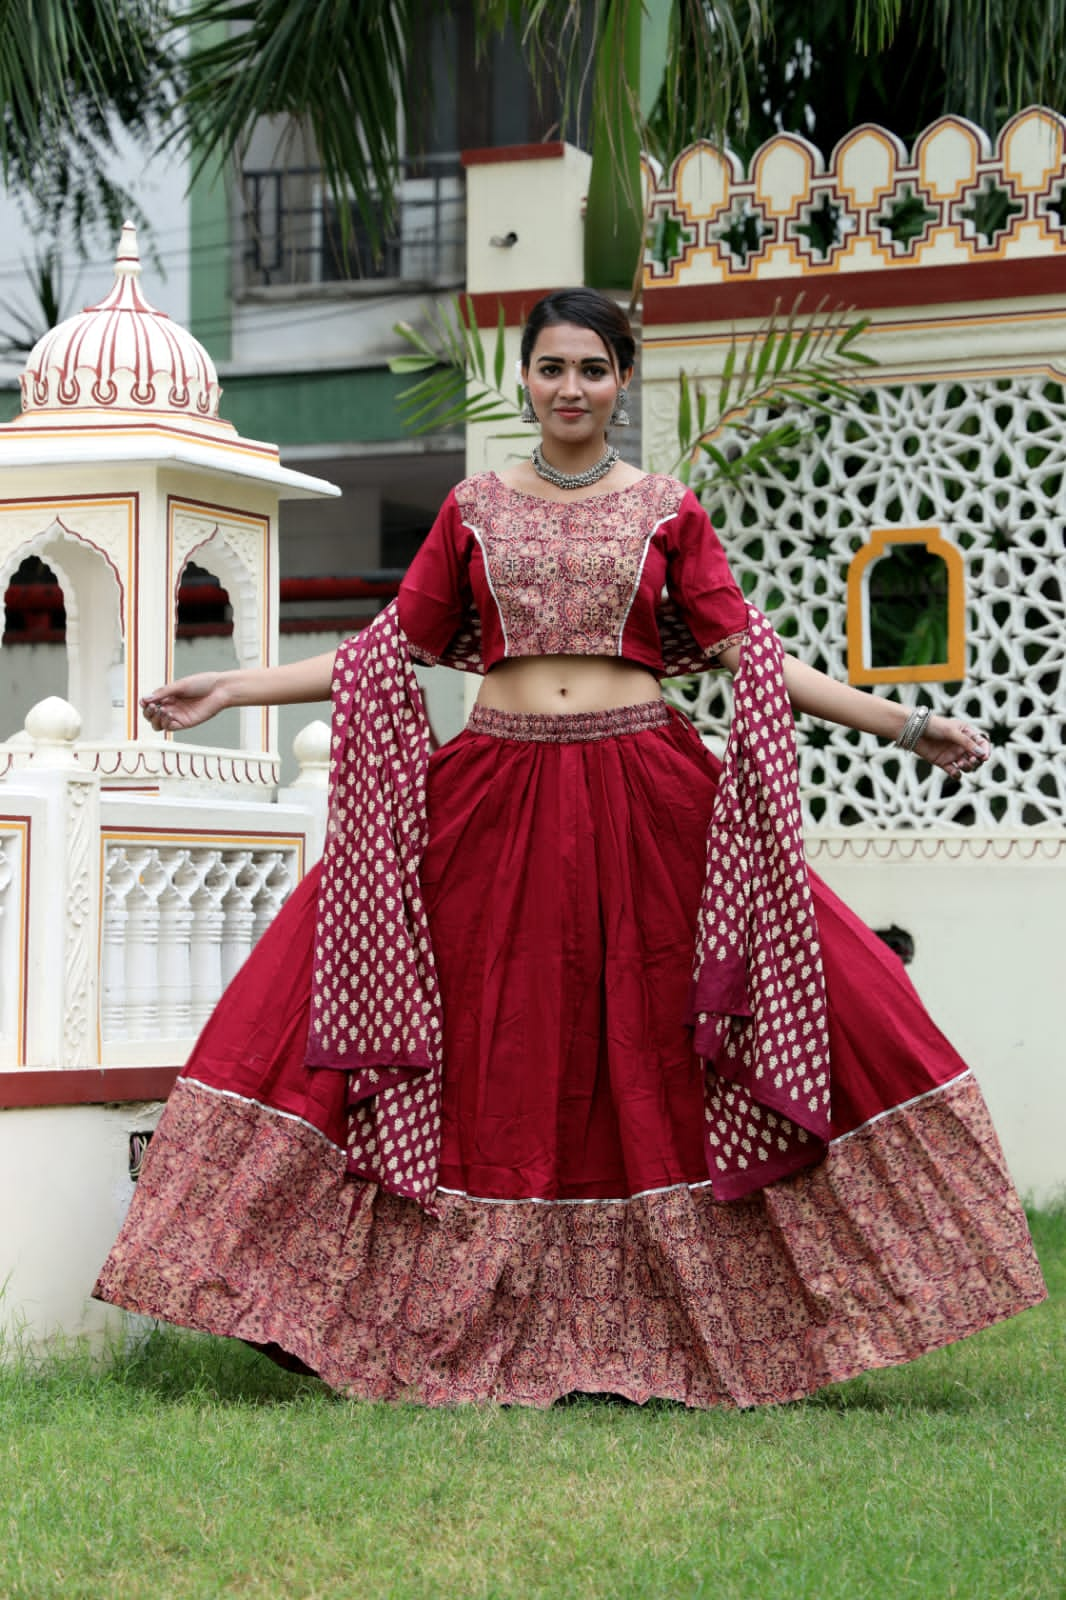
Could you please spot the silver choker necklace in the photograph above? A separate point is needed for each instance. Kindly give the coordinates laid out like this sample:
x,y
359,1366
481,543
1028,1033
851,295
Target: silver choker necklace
x,y
574,480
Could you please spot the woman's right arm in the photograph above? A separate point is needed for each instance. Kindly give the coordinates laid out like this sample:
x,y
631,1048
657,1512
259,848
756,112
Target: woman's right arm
x,y
189,701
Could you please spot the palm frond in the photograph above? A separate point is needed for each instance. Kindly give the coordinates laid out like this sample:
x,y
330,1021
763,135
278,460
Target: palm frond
x,y
61,59
457,388
336,69
994,59
802,360
21,327
701,80
74,76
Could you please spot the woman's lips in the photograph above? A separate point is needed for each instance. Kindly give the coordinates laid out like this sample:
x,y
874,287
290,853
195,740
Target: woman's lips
x,y
570,411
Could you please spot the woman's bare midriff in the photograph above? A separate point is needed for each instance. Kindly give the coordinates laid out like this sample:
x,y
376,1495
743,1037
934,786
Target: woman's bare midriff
x,y
567,683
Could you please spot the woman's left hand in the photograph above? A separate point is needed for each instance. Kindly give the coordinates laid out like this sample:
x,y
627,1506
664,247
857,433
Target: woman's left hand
x,y
957,747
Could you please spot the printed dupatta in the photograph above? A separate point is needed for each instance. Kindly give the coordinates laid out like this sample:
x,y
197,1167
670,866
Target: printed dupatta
x,y
375,1001
757,999
757,1002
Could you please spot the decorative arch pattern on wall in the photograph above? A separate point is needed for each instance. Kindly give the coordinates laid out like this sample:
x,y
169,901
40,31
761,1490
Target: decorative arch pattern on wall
x,y
235,547
956,197
93,599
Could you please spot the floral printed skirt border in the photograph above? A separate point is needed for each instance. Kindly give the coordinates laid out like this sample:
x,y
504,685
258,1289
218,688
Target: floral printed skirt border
x,y
908,1236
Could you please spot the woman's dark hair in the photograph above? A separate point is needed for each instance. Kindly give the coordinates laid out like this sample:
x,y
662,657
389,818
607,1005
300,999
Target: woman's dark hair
x,y
582,308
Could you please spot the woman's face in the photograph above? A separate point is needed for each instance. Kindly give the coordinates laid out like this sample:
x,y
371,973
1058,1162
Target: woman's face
x,y
573,383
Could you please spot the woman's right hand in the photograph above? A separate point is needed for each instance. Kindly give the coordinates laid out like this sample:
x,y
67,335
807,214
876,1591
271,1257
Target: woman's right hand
x,y
186,702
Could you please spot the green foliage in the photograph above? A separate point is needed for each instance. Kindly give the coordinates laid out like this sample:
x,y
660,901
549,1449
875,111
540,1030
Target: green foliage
x,y
907,217
462,383
73,73
341,73
698,72
336,70
828,66
798,360
908,608
22,328
667,239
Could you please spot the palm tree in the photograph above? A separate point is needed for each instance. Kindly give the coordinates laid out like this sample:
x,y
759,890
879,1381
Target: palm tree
x,y
913,64
342,71
662,72
72,74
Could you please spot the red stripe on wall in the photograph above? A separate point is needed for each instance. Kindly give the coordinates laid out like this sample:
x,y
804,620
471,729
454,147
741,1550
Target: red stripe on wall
x,y
88,1086
550,150
516,303
675,304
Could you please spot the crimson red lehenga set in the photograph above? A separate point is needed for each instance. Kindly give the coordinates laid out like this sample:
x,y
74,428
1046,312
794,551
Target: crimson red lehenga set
x,y
562,1073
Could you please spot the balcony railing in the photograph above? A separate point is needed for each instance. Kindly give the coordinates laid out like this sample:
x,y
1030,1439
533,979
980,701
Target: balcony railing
x,y
293,235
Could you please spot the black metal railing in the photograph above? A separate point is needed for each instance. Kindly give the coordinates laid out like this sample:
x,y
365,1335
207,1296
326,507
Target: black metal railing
x,y
293,233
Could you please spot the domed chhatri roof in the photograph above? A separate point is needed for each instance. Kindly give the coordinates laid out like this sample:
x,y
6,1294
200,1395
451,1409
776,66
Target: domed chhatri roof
x,y
121,356
122,382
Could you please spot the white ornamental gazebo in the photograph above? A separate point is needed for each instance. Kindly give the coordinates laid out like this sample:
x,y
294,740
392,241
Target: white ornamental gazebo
x,y
117,473
136,872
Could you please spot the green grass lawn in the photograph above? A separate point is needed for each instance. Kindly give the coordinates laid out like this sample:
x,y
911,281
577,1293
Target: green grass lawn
x,y
195,1468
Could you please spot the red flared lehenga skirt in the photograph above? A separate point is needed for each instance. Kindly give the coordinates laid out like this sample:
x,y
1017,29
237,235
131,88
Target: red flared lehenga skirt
x,y
577,1243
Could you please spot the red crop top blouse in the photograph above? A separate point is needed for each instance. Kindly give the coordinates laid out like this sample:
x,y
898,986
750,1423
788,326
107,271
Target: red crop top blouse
x,y
570,578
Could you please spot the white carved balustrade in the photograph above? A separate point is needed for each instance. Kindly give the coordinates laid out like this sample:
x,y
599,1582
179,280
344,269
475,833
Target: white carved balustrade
x,y
147,903
53,983
276,886
179,921
175,942
119,879
205,950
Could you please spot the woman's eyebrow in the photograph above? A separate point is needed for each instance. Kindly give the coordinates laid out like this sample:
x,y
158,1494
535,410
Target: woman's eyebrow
x,y
586,361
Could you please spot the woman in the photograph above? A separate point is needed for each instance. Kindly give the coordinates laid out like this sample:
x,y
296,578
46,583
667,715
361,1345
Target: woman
x,y
538,1088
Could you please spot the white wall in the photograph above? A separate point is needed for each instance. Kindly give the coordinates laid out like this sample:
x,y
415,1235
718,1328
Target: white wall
x,y
987,917
307,328
52,1161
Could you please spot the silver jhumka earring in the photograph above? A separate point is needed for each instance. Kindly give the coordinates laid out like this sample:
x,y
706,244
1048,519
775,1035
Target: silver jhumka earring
x,y
619,417
527,414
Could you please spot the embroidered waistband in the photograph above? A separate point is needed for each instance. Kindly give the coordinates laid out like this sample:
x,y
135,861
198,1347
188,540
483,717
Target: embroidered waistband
x,y
568,727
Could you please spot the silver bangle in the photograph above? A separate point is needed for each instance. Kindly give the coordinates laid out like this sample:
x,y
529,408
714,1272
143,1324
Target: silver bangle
x,y
913,728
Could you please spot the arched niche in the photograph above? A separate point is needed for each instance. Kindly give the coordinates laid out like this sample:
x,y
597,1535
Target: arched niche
x,y
215,555
931,584
95,641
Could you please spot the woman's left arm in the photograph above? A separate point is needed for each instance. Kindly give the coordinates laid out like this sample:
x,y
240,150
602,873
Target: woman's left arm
x,y
947,742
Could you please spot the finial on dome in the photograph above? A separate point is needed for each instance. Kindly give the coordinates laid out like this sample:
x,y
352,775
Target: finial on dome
x,y
128,259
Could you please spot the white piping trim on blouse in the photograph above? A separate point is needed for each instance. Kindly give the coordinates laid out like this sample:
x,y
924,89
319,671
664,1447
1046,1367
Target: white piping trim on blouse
x,y
640,573
536,1200
492,587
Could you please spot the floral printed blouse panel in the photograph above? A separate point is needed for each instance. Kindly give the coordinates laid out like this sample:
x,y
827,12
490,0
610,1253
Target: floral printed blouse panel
x,y
580,577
